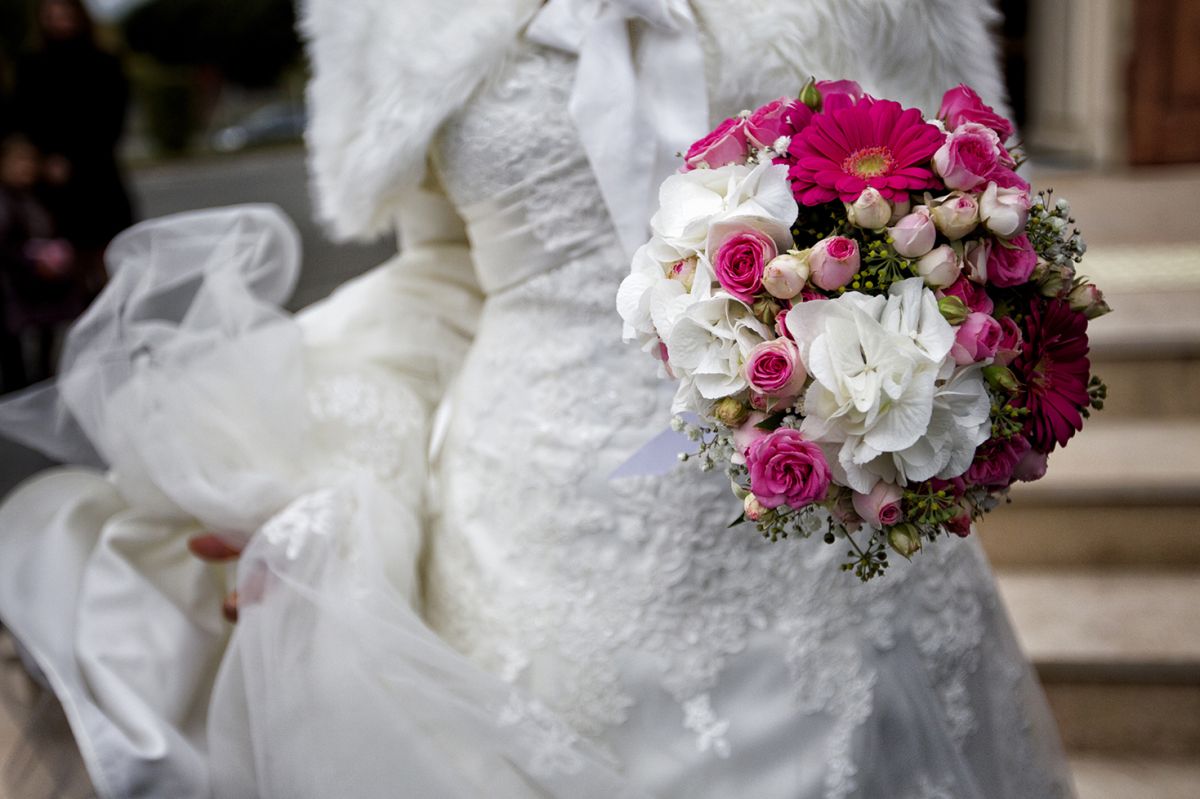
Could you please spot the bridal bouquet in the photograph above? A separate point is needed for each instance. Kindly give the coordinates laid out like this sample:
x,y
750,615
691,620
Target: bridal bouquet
x,y
875,326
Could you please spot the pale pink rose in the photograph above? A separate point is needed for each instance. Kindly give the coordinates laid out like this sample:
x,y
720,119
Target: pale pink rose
x,y
1004,211
939,267
833,261
752,508
1012,262
975,259
870,210
787,469
784,277
740,261
1011,340
972,295
838,94
746,434
725,145
915,234
955,214
773,120
781,328
961,104
970,153
773,369
881,507
1031,467
976,339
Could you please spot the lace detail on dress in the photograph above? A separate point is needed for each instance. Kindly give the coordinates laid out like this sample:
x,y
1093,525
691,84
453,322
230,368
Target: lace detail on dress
x,y
515,132
312,515
698,716
551,742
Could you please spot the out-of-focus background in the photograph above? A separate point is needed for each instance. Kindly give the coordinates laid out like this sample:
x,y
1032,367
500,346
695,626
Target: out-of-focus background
x,y
116,110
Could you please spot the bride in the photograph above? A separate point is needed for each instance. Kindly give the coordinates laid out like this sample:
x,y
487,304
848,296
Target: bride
x,y
443,592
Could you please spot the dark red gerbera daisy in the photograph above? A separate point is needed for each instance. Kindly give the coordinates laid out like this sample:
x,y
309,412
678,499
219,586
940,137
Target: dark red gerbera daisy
x,y
1054,369
873,143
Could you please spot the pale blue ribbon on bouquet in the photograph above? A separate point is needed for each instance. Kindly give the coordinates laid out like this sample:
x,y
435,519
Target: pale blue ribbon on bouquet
x,y
634,108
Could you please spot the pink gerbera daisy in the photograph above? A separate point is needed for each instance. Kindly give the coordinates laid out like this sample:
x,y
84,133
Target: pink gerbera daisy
x,y
873,143
1053,367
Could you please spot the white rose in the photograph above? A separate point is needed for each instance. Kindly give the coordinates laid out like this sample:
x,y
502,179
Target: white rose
x,y
870,210
1004,211
939,267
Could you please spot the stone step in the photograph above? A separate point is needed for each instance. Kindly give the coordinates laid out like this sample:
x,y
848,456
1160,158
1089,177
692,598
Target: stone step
x,y
1118,653
1148,352
1099,777
1126,492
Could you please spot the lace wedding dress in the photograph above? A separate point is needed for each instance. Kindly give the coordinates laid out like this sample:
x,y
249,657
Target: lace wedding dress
x,y
491,614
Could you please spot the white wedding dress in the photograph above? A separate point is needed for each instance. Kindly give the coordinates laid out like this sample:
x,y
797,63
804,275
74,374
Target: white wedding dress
x,y
462,602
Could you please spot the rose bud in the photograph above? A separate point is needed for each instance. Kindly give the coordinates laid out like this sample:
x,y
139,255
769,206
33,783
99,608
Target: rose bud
x,y
1004,211
953,310
833,262
914,235
684,271
939,267
1012,262
753,509
904,539
781,328
838,94
785,275
960,525
870,210
773,369
900,208
970,153
765,309
1001,377
730,412
1088,299
961,104
725,145
976,339
1010,342
975,259
880,507
1031,467
955,215
767,124
810,95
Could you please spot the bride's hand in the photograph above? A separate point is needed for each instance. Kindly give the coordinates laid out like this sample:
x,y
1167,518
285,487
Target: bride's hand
x,y
212,548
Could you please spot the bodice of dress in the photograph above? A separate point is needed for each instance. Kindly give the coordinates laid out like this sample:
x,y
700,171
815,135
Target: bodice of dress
x,y
627,604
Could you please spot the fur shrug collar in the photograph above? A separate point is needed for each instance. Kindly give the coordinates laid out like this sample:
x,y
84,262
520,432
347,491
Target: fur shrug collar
x,y
387,73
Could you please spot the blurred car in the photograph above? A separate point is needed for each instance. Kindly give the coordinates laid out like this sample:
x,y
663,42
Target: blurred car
x,y
272,124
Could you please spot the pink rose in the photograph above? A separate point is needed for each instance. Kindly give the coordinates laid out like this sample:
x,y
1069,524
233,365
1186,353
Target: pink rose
x,y
961,104
725,145
1010,342
976,339
838,94
881,507
1031,467
975,259
787,469
914,235
1012,262
969,155
740,261
781,328
833,261
776,118
973,296
996,460
773,368
1007,179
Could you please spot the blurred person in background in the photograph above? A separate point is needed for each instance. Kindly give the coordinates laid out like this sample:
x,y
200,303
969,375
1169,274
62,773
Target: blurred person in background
x,y
70,100
39,283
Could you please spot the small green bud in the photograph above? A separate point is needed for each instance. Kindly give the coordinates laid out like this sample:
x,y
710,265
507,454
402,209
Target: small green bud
x,y
1001,377
904,539
810,95
765,309
953,309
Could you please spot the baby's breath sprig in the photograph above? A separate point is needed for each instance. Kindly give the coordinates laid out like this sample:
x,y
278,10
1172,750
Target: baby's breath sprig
x,y
1053,235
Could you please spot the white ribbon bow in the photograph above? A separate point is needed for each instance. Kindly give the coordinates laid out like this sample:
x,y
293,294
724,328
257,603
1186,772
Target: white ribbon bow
x,y
633,110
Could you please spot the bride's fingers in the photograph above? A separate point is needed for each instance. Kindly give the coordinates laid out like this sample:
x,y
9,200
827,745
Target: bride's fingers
x,y
213,548
229,608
